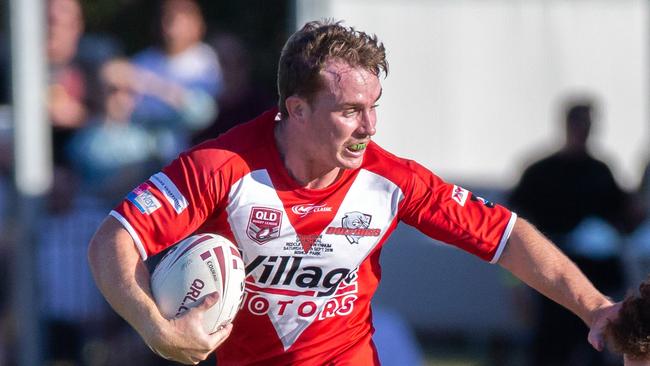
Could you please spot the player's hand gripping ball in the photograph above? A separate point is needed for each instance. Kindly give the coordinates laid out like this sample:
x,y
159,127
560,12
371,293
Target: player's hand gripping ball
x,y
194,268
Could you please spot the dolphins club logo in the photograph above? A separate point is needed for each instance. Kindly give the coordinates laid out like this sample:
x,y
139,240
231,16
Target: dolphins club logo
x,y
354,225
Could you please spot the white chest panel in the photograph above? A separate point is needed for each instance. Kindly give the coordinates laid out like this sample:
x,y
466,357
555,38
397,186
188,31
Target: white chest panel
x,y
286,283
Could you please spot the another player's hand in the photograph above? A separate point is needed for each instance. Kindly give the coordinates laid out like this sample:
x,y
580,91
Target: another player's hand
x,y
600,320
185,340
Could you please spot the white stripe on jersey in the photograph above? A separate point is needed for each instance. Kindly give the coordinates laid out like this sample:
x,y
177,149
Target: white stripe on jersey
x,y
131,230
504,238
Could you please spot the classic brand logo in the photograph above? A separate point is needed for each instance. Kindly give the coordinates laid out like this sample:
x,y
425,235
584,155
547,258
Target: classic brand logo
x,y
264,224
355,225
459,194
304,210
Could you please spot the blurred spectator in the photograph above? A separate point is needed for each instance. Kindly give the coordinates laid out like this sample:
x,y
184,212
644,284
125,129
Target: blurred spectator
x,y
7,223
67,84
72,308
6,163
573,198
5,69
112,153
637,254
644,190
79,327
241,99
73,57
637,250
6,319
179,79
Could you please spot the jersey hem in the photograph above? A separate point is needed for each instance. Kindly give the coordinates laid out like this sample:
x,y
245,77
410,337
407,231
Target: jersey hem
x,y
131,230
504,237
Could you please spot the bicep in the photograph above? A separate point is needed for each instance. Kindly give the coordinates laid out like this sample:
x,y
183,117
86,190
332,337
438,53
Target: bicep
x,y
110,250
122,277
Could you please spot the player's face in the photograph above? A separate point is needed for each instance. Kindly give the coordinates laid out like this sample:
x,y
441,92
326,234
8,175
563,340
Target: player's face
x,y
341,118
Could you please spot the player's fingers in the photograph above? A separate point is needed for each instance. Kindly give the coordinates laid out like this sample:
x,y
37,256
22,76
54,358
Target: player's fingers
x,y
221,335
196,356
596,335
596,340
208,301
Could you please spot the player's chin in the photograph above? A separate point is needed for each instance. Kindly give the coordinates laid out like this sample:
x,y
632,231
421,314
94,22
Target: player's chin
x,y
349,162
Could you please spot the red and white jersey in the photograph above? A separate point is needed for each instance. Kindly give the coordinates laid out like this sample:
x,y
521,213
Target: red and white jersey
x,y
312,256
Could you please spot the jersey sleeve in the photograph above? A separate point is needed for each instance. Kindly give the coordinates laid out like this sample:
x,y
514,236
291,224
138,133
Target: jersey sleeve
x,y
174,202
454,215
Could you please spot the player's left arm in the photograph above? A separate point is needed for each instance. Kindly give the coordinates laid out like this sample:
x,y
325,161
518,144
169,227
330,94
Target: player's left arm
x,y
539,263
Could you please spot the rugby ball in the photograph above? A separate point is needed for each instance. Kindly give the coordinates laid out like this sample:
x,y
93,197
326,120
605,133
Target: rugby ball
x,y
194,268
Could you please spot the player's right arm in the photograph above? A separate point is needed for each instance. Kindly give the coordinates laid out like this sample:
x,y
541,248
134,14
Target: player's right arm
x,y
124,280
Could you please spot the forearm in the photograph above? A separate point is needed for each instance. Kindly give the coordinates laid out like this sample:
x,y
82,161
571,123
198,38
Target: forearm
x,y
540,264
123,278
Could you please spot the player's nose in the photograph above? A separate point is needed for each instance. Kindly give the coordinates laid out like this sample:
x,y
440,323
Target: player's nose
x,y
367,123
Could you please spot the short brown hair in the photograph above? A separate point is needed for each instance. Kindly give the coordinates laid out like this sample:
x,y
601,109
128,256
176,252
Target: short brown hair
x,y
306,52
630,332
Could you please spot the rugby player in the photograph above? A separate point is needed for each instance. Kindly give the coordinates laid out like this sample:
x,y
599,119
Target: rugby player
x,y
310,199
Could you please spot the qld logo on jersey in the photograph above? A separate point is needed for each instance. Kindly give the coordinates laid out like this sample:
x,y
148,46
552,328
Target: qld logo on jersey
x,y
355,225
143,199
264,224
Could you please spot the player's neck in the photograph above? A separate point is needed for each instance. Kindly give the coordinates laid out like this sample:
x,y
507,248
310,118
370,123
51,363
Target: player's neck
x,y
305,169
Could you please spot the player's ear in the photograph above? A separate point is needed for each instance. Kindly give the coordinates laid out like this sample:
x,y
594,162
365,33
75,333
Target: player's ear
x,y
297,107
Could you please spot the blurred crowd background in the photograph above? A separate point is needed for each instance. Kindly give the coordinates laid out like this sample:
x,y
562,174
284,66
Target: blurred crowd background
x,y
132,83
